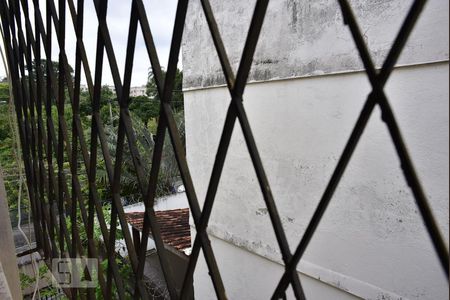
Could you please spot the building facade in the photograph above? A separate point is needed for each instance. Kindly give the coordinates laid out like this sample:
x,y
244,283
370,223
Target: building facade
x,y
138,91
307,88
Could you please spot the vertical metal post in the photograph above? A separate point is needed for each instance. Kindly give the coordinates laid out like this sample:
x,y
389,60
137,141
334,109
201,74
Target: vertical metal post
x,y
7,250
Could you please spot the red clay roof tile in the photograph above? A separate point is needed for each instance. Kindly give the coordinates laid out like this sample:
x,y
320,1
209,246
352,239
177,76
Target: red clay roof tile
x,y
173,225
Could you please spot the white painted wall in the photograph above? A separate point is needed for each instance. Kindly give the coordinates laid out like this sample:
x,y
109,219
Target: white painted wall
x,y
371,242
174,201
372,231
254,277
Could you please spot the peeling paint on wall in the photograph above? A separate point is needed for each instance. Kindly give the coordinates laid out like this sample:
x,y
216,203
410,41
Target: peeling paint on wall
x,y
302,38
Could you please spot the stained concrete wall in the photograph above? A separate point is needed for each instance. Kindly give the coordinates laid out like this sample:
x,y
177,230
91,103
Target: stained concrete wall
x,y
303,38
371,243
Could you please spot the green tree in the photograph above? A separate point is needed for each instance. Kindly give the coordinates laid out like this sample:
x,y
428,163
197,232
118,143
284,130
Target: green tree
x,y
8,152
4,92
43,68
177,96
144,108
106,97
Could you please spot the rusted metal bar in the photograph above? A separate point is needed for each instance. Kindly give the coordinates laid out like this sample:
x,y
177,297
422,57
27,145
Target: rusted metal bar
x,y
391,123
236,109
165,93
43,142
75,179
125,120
179,151
378,81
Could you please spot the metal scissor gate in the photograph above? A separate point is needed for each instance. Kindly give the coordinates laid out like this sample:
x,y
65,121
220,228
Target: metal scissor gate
x,y
56,195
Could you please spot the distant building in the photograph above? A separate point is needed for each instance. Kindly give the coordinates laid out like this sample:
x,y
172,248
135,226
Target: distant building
x,y
137,91
134,90
84,88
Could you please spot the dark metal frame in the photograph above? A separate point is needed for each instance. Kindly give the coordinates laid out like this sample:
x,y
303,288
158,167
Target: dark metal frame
x,y
49,186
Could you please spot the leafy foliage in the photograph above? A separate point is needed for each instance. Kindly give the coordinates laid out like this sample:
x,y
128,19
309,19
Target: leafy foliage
x,y
125,272
177,96
4,92
144,112
107,96
8,151
43,68
48,292
145,108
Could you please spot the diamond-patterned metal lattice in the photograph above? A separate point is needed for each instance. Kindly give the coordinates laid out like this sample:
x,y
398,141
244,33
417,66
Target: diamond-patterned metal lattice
x,y
49,186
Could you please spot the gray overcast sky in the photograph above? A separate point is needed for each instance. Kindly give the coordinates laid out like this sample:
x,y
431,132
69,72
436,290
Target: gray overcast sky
x,y
161,15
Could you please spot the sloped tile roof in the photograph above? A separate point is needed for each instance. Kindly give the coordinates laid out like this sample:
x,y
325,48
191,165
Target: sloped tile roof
x,y
173,224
